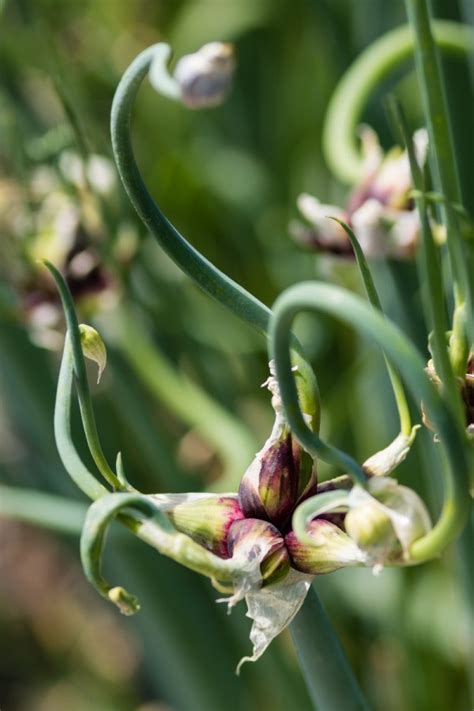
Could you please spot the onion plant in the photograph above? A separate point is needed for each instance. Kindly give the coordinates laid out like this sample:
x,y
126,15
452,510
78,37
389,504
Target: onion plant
x,y
267,541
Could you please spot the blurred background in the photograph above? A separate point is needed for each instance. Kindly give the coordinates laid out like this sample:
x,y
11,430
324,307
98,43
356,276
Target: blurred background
x,y
181,395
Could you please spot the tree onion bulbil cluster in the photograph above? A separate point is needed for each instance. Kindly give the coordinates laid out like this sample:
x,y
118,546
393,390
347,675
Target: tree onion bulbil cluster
x,y
267,542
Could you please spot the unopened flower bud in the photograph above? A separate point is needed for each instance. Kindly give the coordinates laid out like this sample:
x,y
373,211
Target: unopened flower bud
x,y
93,347
380,208
408,513
205,77
207,520
252,539
369,526
388,459
386,519
331,549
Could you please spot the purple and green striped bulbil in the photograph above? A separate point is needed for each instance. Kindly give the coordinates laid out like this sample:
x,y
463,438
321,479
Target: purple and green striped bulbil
x,y
279,478
207,521
331,549
253,538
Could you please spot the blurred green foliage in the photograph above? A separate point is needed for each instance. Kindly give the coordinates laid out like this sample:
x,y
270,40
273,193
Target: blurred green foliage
x,y
228,179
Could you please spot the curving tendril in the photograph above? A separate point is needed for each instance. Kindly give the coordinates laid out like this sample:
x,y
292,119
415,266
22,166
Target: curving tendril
x,y
353,91
98,518
352,310
87,413
214,282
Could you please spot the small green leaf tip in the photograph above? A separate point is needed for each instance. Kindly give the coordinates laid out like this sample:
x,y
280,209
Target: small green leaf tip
x,y
127,604
121,476
93,347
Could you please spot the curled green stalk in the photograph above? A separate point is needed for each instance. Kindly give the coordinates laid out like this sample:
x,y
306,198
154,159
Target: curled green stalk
x,y
214,282
372,295
352,310
98,518
360,81
87,412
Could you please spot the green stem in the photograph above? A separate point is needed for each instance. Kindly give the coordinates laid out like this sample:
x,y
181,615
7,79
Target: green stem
x,y
55,513
330,680
73,464
431,277
373,297
353,311
214,282
446,175
87,412
361,79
